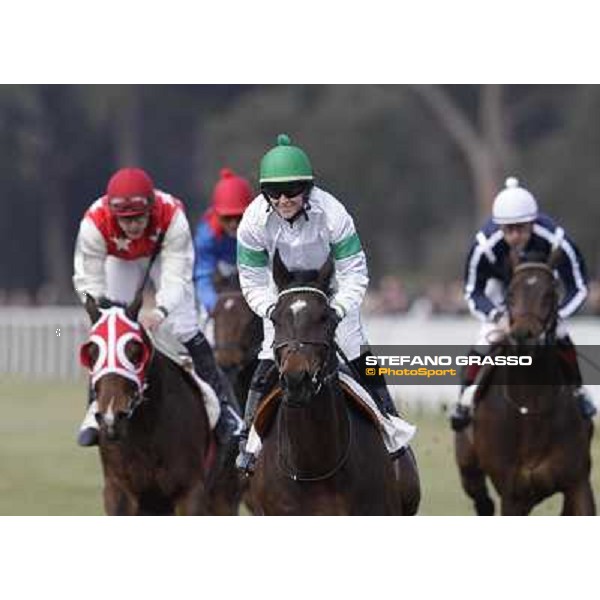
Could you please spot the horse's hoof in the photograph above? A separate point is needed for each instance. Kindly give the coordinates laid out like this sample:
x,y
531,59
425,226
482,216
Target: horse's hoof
x,y
484,507
88,437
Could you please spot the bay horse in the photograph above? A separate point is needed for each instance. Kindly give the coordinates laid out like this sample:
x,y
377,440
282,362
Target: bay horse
x,y
528,434
321,455
155,442
237,335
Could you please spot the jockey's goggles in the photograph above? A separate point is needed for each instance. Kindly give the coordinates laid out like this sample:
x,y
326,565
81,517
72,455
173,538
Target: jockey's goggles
x,y
289,189
129,207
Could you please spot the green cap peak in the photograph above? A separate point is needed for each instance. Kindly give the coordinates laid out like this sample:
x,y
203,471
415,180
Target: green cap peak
x,y
285,162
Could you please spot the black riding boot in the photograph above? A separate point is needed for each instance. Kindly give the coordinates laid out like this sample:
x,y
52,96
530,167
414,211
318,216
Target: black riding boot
x,y
262,380
206,367
460,417
569,357
89,432
375,385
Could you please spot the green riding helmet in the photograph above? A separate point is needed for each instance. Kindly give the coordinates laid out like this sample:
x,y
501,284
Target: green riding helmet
x,y
285,162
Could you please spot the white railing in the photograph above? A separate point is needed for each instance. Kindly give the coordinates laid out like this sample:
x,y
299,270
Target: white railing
x,y
42,342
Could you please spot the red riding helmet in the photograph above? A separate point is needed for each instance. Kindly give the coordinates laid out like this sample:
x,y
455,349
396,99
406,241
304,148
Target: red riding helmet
x,y
130,192
231,194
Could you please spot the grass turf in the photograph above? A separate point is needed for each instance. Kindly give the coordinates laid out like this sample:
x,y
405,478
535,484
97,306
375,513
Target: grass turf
x,y
44,472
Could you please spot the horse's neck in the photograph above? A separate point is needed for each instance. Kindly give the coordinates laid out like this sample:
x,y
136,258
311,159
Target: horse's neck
x,y
316,433
164,407
538,383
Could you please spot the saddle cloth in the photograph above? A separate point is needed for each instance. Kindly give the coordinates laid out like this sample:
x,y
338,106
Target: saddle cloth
x,y
396,432
173,349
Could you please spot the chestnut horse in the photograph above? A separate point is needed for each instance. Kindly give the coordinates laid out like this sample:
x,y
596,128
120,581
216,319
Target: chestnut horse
x,y
237,333
528,434
155,441
321,455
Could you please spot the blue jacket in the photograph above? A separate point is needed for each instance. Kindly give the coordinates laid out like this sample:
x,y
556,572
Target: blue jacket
x,y
489,258
215,250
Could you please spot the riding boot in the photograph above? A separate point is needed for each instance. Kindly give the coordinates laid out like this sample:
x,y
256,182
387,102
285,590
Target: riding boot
x,y
375,385
460,417
89,431
262,381
205,365
569,357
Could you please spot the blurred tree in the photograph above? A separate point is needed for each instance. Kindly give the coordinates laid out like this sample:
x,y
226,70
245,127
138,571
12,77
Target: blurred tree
x,y
484,140
417,166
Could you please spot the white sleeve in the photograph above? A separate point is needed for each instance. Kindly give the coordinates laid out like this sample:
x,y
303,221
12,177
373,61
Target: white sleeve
x,y
253,266
176,263
350,261
89,261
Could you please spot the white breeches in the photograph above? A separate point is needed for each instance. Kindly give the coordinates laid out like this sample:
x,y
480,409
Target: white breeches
x,y
124,276
349,334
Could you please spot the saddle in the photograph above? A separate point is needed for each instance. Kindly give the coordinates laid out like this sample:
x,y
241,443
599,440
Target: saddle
x,y
268,405
176,352
396,433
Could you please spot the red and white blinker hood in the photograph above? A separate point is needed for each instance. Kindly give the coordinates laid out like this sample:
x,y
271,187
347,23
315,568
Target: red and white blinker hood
x,y
111,333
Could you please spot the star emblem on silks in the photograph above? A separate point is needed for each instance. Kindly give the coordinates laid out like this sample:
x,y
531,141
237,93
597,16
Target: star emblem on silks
x,y
154,237
121,243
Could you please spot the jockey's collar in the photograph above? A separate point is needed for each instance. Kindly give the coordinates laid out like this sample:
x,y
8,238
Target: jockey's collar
x,y
303,210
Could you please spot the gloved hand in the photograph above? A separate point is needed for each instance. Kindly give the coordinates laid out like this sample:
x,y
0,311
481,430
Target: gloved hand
x,y
152,319
501,319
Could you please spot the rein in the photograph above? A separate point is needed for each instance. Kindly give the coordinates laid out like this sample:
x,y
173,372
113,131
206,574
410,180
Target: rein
x,y
318,382
547,326
296,475
548,323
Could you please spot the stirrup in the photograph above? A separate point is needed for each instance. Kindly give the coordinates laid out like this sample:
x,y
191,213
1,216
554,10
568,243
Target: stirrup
x,y
245,462
88,437
585,402
89,432
460,418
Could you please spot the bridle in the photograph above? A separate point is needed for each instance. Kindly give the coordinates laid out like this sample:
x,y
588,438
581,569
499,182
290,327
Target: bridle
x,y
547,326
324,376
325,373
547,323
139,395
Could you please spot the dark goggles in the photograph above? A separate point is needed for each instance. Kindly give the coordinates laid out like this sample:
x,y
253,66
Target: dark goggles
x,y
289,189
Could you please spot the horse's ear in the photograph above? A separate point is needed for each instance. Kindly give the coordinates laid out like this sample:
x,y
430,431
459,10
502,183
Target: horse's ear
x,y
325,274
133,310
555,257
91,306
281,275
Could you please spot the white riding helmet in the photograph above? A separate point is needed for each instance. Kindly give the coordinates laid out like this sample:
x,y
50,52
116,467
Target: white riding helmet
x,y
514,204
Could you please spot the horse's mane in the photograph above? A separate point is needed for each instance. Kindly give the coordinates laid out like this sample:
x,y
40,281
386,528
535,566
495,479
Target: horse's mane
x,y
533,256
105,303
303,277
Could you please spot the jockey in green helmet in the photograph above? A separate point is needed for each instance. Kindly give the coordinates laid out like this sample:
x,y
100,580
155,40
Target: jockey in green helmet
x,y
305,224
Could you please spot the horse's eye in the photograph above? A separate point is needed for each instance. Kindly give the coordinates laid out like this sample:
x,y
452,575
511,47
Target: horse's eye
x,y
135,352
88,355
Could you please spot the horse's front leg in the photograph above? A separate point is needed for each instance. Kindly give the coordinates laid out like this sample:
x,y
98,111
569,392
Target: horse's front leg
x,y
472,477
579,500
515,507
116,501
194,502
